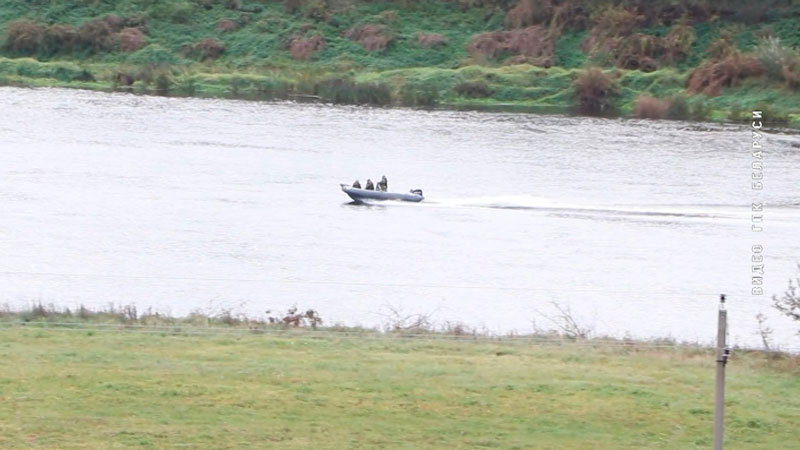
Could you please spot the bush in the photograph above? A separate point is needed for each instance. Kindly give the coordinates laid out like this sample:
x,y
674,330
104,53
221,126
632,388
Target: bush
x,y
528,12
678,43
711,76
342,90
131,39
226,25
24,36
791,71
60,38
173,11
301,49
535,44
96,36
473,89
678,108
373,38
594,91
153,55
648,107
772,56
430,40
233,4
208,49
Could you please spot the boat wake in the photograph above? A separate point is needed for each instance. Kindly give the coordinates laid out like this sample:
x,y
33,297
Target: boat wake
x,y
545,205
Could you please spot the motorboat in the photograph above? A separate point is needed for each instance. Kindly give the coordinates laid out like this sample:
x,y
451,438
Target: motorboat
x,y
414,195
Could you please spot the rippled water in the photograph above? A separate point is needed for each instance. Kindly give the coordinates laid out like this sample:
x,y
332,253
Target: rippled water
x,y
184,204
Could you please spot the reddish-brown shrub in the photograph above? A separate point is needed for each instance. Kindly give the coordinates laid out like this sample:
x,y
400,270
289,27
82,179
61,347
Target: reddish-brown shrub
x,y
609,29
709,77
791,71
233,4
301,49
374,38
131,39
60,38
648,107
638,51
209,49
529,12
594,90
226,25
722,47
430,40
24,36
96,35
534,44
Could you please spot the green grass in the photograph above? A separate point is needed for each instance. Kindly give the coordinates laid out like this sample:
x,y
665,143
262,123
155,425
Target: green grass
x,y
89,389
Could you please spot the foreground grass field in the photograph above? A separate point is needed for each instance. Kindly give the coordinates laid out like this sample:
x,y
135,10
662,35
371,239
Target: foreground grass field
x,y
115,389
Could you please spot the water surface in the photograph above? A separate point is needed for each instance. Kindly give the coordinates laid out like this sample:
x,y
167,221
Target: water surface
x,y
187,204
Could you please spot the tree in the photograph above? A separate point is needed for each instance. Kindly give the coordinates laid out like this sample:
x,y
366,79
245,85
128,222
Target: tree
x,y
789,303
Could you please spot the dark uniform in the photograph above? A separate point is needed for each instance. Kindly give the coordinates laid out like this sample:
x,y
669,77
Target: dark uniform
x,y
357,185
383,185
369,186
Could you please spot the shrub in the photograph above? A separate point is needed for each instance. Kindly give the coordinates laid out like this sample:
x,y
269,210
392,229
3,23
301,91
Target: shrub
x,y
292,6
709,77
114,22
648,107
772,56
791,71
388,16
226,25
301,49
473,89
208,49
96,36
678,43
534,44
153,55
373,38
342,90
594,91
131,39
173,11
24,36
528,12
60,38
678,108
136,21
233,4
430,40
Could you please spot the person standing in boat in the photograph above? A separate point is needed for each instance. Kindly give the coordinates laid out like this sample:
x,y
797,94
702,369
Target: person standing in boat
x,y
383,185
369,186
356,185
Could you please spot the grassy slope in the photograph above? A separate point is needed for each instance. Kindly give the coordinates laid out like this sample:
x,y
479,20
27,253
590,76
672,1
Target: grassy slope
x,y
257,64
79,389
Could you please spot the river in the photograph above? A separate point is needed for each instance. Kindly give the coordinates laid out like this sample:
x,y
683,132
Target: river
x,y
196,204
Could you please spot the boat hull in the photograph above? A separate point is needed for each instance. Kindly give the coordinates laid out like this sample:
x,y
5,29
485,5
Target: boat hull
x,y
364,194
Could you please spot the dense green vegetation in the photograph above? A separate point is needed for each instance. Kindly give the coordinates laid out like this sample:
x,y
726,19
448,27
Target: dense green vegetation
x,y
686,59
83,387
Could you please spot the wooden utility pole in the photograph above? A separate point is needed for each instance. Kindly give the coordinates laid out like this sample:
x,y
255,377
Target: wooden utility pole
x,y
722,358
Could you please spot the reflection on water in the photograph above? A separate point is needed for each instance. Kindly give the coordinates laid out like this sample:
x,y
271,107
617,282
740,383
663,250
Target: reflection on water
x,y
185,204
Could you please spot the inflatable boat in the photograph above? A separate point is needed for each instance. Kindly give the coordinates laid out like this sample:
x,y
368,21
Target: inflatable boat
x,y
414,195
